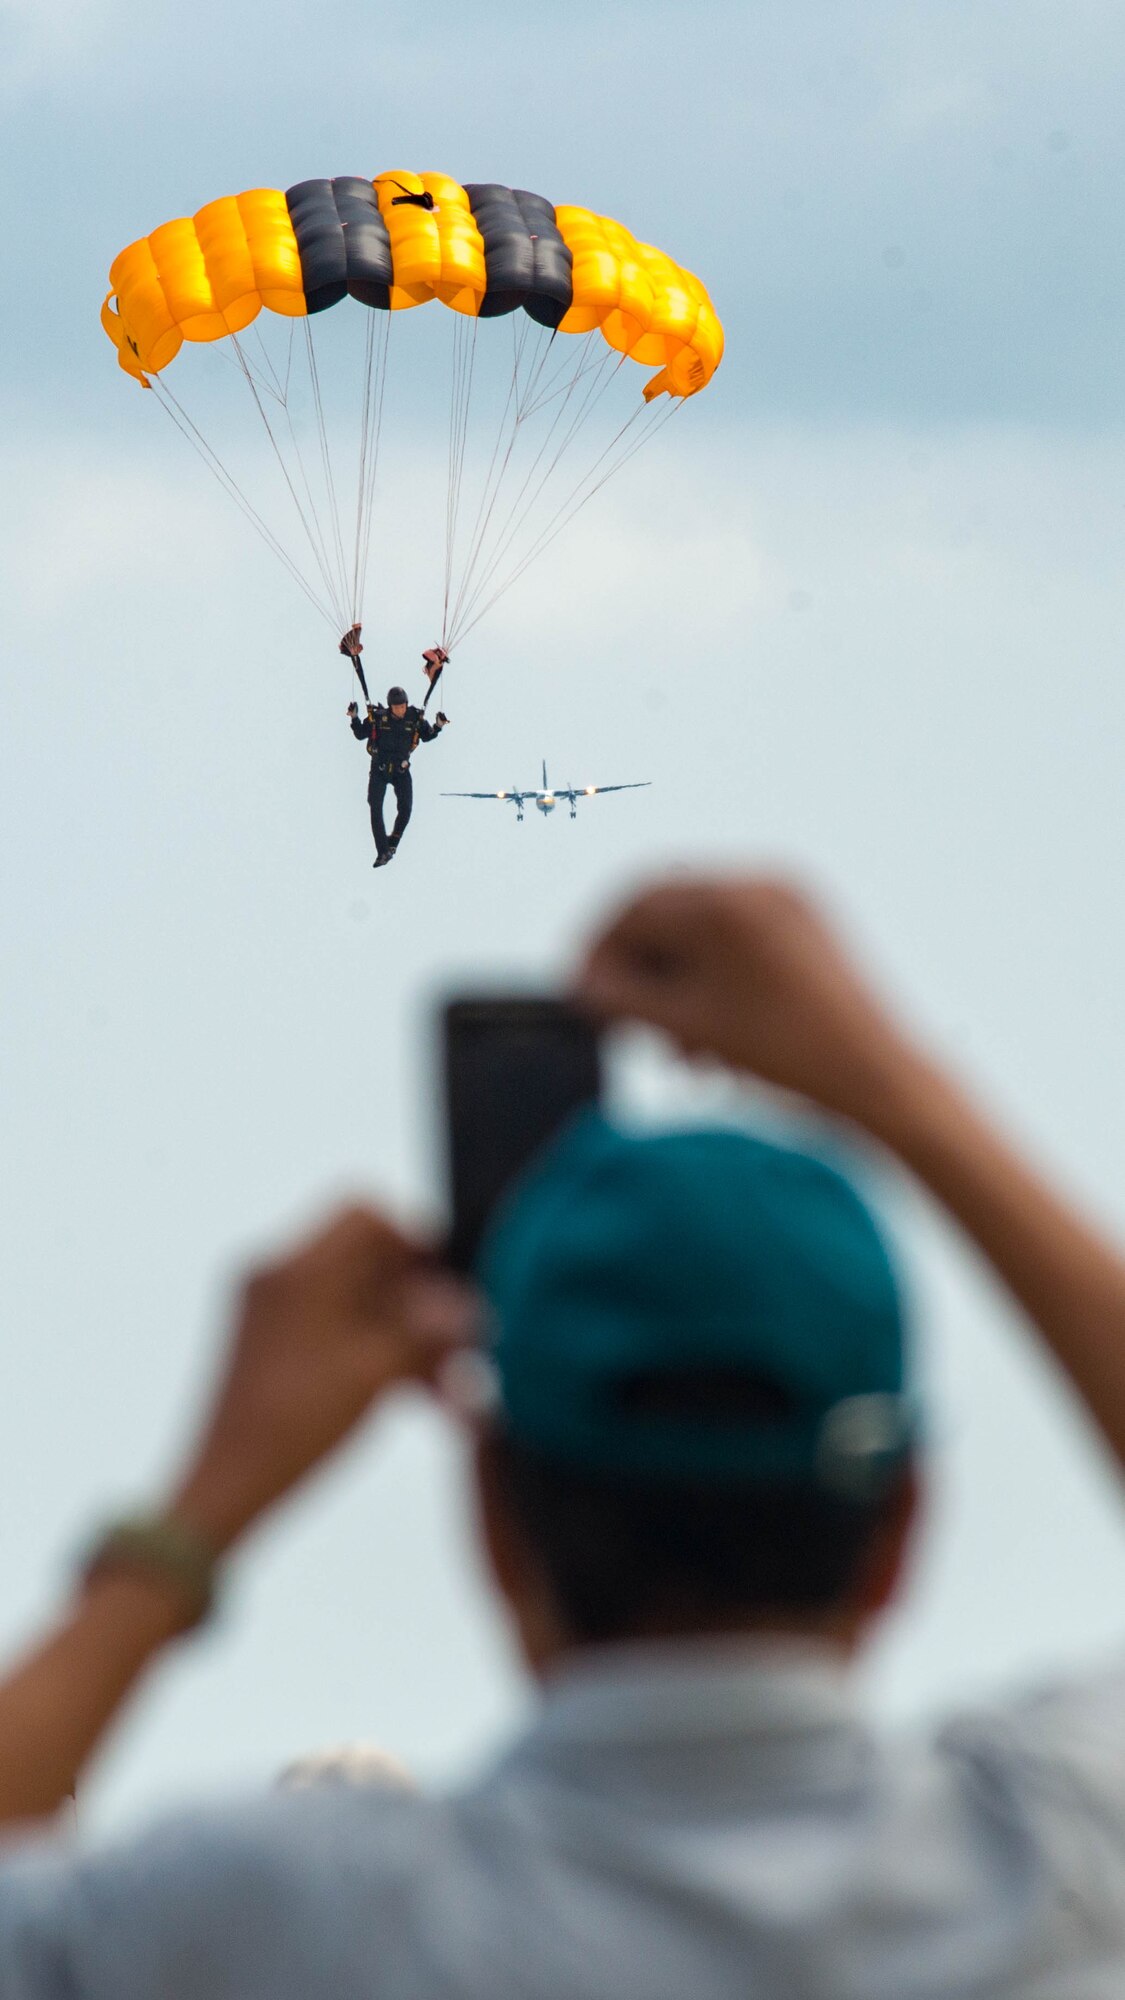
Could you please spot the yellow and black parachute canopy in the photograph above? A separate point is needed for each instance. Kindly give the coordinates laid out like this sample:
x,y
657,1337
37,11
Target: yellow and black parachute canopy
x,y
535,412
398,241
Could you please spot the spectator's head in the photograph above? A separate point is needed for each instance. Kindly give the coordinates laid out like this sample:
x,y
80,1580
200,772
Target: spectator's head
x,y
702,1423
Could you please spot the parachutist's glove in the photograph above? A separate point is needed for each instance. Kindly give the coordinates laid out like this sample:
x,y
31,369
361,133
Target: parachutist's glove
x,y
351,643
353,708
441,720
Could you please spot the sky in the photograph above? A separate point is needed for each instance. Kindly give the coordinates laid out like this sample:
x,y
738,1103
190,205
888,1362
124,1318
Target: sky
x,y
855,613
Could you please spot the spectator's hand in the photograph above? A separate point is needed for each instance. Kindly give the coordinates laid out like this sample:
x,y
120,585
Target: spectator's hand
x,y
748,971
320,1337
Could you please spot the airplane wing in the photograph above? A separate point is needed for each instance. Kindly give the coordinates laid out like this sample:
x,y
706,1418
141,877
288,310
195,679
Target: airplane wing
x,y
591,789
478,795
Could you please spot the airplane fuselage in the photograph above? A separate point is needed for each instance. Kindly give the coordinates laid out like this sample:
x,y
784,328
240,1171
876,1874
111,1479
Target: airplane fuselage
x,y
546,799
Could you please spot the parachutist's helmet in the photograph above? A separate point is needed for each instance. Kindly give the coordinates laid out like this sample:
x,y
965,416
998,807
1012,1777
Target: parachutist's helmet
x,y
394,696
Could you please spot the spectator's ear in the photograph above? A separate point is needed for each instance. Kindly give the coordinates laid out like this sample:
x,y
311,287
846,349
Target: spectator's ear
x,y
507,1556
515,1572
879,1579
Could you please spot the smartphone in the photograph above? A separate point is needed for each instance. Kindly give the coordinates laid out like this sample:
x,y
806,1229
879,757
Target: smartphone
x,y
516,1068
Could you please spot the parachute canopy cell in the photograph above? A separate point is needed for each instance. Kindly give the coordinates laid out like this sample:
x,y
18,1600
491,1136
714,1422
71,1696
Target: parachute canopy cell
x,y
399,241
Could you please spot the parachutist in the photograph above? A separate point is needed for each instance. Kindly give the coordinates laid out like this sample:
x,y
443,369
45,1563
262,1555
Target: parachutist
x,y
392,734
276,256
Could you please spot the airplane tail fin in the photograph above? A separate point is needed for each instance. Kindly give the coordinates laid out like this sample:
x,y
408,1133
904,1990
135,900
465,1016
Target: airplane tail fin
x,y
546,786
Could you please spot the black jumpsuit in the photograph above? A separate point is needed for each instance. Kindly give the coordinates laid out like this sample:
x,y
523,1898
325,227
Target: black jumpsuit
x,y
391,740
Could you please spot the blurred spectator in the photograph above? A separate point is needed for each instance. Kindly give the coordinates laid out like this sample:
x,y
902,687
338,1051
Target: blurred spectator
x,y
696,1493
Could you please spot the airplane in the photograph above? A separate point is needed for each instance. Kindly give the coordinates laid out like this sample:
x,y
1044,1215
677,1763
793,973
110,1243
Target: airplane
x,y
548,798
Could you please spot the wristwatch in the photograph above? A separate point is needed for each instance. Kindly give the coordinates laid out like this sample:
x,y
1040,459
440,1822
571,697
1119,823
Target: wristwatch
x,y
157,1546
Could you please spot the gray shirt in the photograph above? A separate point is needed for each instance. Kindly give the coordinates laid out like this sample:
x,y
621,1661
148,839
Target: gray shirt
x,y
682,1823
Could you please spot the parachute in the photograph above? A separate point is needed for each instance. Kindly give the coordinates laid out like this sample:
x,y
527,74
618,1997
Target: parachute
x,y
258,268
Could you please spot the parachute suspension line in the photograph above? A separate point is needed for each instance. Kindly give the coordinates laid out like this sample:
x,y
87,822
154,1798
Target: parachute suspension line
x,y
375,437
302,469
472,564
498,441
226,480
580,494
578,497
266,387
559,383
319,558
364,443
494,478
602,375
601,371
455,396
459,469
650,422
243,363
326,463
288,361
497,466
453,387
563,373
459,405
311,521
314,516
278,390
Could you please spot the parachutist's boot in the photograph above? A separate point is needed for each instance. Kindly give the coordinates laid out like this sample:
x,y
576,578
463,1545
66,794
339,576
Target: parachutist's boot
x,y
382,859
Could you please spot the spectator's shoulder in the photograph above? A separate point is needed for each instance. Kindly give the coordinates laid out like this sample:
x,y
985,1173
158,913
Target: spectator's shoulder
x,y
1078,1717
283,1843
1054,1758
251,1902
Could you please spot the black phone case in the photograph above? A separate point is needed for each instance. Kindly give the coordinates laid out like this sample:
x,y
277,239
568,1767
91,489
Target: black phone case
x,y
516,1070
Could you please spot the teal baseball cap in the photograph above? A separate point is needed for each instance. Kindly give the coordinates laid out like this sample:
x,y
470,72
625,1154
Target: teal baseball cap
x,y
697,1304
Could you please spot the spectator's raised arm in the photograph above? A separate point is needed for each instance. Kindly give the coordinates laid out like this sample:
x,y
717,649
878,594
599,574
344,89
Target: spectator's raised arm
x,y
320,1337
748,971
